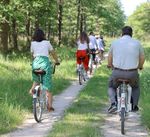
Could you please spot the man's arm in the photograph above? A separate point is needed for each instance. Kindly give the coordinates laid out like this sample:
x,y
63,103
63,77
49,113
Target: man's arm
x,y
110,60
141,61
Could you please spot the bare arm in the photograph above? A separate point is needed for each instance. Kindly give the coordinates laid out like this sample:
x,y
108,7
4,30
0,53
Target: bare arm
x,y
110,60
141,61
54,55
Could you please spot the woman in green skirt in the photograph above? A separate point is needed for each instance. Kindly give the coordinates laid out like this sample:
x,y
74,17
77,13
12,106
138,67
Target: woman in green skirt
x,y
40,49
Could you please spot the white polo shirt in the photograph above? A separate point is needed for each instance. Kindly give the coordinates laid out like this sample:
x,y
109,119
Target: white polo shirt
x,y
41,48
126,52
92,44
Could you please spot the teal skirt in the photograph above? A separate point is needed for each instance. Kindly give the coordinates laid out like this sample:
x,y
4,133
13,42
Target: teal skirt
x,y
42,62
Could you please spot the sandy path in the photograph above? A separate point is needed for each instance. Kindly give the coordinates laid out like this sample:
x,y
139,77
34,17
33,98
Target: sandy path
x,y
32,129
133,127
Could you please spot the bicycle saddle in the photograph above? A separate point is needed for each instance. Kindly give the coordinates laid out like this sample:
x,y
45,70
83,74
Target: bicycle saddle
x,y
39,71
120,80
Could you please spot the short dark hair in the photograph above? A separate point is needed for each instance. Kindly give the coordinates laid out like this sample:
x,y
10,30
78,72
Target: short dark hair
x,y
91,33
127,30
38,35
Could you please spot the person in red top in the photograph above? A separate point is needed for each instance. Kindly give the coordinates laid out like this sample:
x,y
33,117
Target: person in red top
x,y
82,49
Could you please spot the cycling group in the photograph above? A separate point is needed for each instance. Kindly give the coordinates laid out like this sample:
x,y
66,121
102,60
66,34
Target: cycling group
x,y
125,57
91,49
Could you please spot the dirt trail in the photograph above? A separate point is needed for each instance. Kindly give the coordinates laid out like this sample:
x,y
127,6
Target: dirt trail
x,y
133,127
32,129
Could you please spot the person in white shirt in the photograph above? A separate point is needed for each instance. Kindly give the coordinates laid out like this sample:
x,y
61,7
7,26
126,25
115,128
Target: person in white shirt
x,y
40,49
82,50
92,45
125,56
101,46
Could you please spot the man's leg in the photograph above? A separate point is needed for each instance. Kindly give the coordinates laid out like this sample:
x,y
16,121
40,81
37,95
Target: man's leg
x,y
112,95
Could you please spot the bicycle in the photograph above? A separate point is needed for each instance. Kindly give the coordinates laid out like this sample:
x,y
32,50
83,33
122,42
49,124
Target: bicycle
x,y
81,72
93,62
124,91
40,100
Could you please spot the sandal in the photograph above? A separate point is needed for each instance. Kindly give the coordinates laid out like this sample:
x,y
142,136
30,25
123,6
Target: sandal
x,y
50,109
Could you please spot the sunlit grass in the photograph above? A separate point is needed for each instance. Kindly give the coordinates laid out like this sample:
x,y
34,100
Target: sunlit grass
x,y
84,117
15,82
145,92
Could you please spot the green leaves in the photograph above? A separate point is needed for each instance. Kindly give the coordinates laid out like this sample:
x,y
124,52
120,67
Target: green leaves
x,y
140,21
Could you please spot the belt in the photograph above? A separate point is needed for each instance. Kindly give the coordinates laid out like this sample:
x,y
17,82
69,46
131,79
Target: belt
x,y
125,69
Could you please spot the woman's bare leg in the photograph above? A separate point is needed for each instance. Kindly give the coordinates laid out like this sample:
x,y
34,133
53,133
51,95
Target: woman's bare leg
x,y
33,86
50,99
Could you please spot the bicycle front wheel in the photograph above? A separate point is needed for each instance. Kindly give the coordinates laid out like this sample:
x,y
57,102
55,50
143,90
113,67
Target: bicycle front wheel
x,y
122,120
37,109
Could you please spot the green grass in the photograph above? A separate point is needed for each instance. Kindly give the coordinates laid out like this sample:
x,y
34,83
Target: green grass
x,y
145,92
15,82
84,117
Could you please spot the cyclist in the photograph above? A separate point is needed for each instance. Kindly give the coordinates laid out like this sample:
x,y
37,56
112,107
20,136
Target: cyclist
x,y
82,50
101,46
40,49
126,56
93,45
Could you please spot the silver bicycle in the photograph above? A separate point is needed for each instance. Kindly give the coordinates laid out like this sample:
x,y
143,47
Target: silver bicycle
x,y
124,105
40,100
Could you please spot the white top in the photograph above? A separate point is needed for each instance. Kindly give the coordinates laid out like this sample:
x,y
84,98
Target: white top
x,y
100,44
92,44
126,52
41,48
82,46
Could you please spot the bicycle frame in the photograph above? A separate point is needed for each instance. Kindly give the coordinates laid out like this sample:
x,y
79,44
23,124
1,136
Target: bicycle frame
x,y
39,100
124,97
123,102
81,72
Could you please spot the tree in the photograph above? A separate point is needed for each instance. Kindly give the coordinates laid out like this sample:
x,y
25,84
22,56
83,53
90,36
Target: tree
x,y
140,21
4,27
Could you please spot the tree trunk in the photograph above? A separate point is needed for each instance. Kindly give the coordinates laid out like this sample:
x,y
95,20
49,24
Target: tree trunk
x,y
28,30
4,37
81,20
14,34
5,32
60,10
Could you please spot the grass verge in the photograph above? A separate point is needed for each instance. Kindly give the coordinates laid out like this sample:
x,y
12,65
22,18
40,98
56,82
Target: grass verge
x,y
15,81
84,117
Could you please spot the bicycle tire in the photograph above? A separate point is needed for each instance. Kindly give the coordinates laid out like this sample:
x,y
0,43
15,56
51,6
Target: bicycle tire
x,y
122,120
37,109
80,78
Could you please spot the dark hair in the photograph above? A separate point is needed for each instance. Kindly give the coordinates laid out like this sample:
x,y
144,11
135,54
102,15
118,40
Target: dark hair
x,y
127,30
38,35
84,37
91,33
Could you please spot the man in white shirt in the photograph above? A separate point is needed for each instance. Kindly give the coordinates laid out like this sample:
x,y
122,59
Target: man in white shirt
x,y
125,56
92,45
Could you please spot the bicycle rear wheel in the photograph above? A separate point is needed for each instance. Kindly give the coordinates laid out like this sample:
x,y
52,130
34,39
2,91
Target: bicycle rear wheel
x,y
37,109
80,78
122,120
